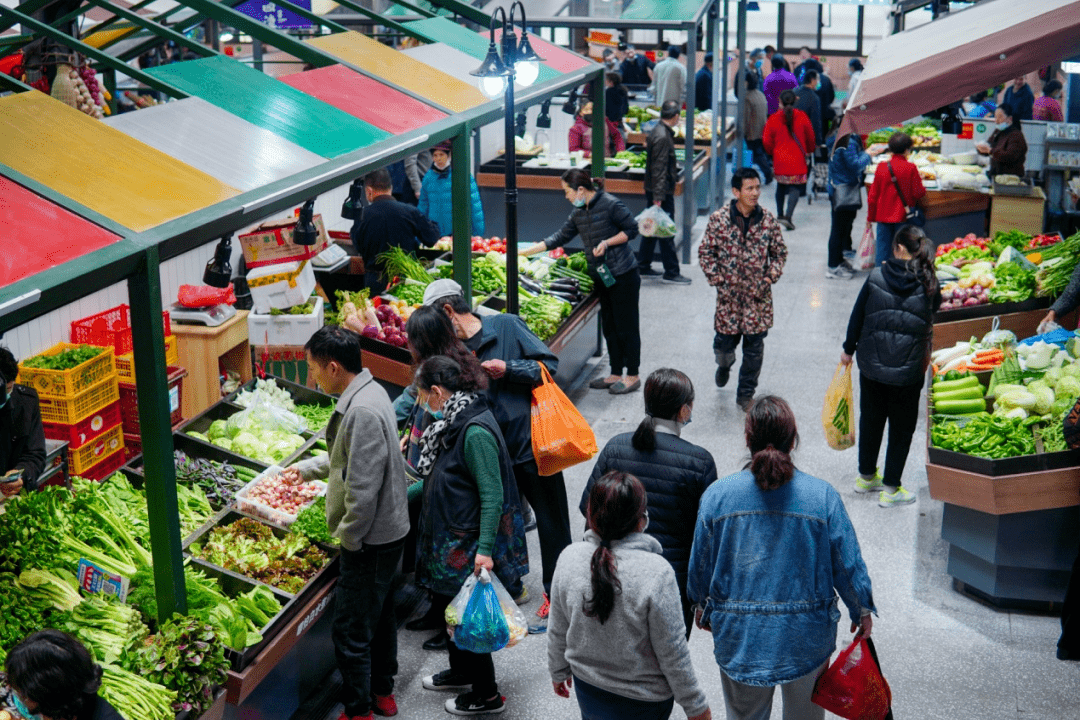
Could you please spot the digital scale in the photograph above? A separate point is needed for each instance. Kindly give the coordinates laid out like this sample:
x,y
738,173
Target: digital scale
x,y
211,316
331,256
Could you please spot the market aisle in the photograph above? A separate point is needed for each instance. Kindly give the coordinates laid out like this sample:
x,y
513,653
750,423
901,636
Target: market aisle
x,y
944,655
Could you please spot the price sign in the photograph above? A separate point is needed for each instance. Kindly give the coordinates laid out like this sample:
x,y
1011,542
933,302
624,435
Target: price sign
x,y
278,18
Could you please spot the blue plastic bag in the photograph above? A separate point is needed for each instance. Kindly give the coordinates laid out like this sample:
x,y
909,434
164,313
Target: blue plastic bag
x,y
483,627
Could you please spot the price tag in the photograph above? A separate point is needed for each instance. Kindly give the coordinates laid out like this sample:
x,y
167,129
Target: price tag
x,y
95,580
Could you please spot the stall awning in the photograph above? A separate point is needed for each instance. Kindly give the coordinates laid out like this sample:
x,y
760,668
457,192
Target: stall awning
x,y
99,167
271,104
370,100
373,57
664,10
219,143
557,58
440,29
48,235
936,64
450,60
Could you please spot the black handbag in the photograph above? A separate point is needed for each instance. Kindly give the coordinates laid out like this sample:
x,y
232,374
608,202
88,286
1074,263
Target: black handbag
x,y
914,215
847,197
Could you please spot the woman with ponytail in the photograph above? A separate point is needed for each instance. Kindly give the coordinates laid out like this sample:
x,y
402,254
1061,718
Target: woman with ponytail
x,y
772,548
789,139
674,471
615,634
891,327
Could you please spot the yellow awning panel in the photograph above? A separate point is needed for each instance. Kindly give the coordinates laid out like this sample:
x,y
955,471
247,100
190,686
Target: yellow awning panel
x,y
97,38
99,167
384,62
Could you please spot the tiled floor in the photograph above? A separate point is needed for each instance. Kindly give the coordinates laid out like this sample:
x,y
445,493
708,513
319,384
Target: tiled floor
x,y
945,656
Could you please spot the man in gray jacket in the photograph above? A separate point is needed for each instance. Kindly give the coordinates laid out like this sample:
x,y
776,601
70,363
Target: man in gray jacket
x,y
660,180
367,510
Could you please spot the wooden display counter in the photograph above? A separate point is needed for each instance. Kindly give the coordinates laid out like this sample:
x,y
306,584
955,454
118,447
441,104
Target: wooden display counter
x,y
1005,494
1023,324
201,350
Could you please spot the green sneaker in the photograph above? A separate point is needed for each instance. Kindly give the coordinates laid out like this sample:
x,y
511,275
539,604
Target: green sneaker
x,y
900,497
862,485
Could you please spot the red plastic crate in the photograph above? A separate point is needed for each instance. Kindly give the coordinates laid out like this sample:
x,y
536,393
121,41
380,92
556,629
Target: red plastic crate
x,y
85,430
106,467
129,401
110,328
132,445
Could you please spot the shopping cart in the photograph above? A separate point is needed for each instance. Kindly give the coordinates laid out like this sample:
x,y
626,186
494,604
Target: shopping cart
x,y
819,175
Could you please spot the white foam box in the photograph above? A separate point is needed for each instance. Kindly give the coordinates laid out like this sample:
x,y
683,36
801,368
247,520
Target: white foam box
x,y
295,286
284,329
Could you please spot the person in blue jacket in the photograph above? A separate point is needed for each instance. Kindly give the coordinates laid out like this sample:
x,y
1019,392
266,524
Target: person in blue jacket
x,y
436,198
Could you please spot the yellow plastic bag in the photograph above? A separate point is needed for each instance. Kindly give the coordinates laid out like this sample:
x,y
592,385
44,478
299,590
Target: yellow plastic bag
x,y
838,415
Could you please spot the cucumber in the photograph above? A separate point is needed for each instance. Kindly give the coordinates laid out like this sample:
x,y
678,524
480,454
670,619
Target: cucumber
x,y
960,407
949,385
974,393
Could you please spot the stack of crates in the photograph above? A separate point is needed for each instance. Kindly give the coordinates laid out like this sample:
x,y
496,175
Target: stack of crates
x,y
113,328
81,406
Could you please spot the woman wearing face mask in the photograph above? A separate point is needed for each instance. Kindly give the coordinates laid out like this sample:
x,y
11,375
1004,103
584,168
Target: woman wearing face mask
x,y
436,198
53,677
1006,147
606,227
580,135
675,472
471,517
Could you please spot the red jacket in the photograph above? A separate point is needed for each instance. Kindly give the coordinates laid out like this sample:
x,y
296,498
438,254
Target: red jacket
x,y
580,137
788,157
883,203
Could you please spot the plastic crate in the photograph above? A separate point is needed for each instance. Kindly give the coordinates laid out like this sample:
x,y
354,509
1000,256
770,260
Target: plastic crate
x,y
76,409
68,383
125,364
105,467
129,400
111,328
82,432
254,507
132,445
85,457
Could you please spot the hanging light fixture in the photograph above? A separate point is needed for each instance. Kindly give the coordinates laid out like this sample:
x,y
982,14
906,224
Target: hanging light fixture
x,y
306,232
526,61
352,208
492,75
218,272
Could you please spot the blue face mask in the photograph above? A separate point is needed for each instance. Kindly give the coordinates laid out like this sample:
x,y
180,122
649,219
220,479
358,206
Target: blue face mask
x,y
758,64
437,414
818,86
689,419
22,709
1001,126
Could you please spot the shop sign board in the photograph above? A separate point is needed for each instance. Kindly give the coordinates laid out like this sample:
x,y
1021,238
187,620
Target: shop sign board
x,y
276,17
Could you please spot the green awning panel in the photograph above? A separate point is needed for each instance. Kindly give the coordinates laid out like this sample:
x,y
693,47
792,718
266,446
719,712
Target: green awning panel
x,y
446,31
664,10
271,104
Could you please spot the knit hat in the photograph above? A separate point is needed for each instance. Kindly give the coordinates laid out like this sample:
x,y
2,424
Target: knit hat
x,y
445,146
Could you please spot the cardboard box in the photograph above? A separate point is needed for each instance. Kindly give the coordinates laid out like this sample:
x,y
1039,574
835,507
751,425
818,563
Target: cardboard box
x,y
1011,212
281,286
284,361
272,243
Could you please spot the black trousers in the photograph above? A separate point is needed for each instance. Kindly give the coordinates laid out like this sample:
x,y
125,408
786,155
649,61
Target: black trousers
x,y
840,235
1069,642
668,257
792,193
878,403
476,668
753,355
364,628
761,158
620,321
547,495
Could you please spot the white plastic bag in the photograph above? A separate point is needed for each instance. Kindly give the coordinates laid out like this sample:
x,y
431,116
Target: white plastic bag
x,y
654,222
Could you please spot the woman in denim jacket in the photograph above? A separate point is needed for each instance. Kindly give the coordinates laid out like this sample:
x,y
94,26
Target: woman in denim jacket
x,y
772,548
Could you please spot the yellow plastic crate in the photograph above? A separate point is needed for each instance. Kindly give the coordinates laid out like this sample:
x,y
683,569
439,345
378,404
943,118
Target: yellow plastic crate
x,y
76,409
71,382
125,364
86,456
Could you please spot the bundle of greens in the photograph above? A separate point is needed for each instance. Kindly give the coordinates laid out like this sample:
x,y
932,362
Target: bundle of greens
x,y
1008,238
105,625
65,359
135,697
488,275
185,656
317,416
251,549
311,523
1012,283
59,588
21,613
395,262
543,314
219,481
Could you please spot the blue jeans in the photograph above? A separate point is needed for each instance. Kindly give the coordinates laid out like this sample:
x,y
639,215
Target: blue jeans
x,y
598,704
364,629
885,232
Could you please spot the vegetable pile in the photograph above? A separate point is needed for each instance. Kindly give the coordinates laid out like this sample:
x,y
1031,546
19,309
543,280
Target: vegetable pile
x,y
220,481
970,286
65,359
273,492
376,319
255,433
636,160
311,523
317,416
251,549
306,309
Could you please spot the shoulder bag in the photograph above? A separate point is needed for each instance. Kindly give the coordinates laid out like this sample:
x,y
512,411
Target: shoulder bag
x,y
913,215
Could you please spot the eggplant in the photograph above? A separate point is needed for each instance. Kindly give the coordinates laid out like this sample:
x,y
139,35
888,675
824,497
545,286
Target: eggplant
x,y
572,299
568,284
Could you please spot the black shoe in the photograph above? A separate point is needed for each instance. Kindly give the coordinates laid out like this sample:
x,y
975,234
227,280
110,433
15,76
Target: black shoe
x,y
472,704
677,279
722,376
649,272
744,402
427,622
437,642
447,680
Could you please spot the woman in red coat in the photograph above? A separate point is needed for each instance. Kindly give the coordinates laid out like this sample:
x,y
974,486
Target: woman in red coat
x,y
788,138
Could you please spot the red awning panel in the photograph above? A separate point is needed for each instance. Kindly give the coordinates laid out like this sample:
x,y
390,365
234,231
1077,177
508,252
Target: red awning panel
x,y
42,234
555,57
936,64
382,106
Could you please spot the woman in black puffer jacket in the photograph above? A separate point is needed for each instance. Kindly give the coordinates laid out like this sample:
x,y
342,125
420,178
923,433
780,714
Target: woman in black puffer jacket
x,y
675,472
605,226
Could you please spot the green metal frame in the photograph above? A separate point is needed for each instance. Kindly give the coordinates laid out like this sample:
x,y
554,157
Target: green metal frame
x,y
379,19
148,24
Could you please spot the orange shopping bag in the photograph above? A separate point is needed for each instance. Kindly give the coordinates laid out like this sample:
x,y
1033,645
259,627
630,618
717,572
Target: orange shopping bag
x,y
561,437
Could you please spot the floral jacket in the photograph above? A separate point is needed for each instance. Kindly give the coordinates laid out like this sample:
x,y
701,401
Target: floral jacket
x,y
743,266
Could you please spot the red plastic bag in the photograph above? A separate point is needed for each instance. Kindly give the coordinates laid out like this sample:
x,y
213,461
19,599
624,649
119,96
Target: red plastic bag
x,y
197,296
853,686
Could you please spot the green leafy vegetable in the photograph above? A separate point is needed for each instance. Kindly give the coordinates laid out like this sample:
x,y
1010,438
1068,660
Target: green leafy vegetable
x,y
187,657
311,523
65,359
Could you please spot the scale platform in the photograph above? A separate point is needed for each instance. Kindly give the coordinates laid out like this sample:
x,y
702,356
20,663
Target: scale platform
x,y
211,316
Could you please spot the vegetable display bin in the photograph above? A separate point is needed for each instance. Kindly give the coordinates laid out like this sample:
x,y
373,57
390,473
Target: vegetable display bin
x,y
87,403
83,458
129,400
301,394
82,432
285,329
246,504
125,364
111,328
71,382
223,410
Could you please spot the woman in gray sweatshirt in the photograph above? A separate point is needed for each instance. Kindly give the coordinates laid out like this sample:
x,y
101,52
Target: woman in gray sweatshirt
x,y
616,632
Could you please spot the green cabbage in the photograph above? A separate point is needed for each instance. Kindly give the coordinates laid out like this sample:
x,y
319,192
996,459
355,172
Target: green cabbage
x,y
217,430
1068,386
